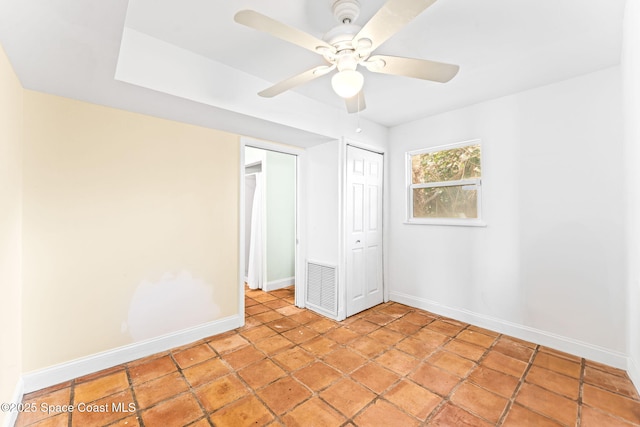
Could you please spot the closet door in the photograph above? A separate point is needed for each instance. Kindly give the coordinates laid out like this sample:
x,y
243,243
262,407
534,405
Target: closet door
x,y
364,182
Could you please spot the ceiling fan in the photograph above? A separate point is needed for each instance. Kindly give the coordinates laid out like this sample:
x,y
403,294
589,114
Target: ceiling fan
x,y
348,45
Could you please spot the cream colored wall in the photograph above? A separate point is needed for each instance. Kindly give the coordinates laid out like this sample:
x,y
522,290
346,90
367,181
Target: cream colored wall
x,y
10,229
130,228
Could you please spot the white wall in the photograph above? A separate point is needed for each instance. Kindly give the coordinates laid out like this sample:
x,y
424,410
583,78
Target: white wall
x,y
549,266
253,155
631,80
323,181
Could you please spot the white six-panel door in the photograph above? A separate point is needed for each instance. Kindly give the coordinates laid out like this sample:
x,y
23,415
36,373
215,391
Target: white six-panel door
x,y
364,229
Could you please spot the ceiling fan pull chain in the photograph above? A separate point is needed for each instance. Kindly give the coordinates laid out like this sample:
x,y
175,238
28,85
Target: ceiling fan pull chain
x,y
358,128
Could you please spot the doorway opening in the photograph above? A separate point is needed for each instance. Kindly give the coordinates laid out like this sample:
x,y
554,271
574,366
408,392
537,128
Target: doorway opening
x,y
270,226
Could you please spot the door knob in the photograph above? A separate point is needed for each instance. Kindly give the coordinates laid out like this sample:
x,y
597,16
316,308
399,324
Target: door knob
x,y
357,241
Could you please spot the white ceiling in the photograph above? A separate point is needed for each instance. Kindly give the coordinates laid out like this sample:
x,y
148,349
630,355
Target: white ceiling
x,y
199,63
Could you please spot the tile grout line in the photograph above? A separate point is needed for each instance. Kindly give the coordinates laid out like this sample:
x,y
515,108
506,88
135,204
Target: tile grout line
x,y
268,357
289,374
139,410
166,399
253,390
583,366
447,399
484,356
347,376
319,359
516,391
133,394
232,371
436,410
190,388
441,347
344,375
380,396
72,391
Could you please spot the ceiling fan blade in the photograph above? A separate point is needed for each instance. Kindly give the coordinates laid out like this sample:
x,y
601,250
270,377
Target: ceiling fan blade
x,y
391,17
356,103
260,22
296,80
411,67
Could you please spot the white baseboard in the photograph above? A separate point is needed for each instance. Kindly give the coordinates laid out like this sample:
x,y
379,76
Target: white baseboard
x,y
279,284
11,417
633,370
56,374
549,339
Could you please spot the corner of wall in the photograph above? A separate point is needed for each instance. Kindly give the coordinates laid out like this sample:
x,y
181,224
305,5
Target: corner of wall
x,y
630,65
633,370
11,143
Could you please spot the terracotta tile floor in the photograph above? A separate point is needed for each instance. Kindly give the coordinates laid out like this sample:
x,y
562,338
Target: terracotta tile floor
x,y
388,366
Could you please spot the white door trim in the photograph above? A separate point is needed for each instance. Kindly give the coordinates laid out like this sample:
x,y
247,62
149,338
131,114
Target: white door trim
x,y
300,215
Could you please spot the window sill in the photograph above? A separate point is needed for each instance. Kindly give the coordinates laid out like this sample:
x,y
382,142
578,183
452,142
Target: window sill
x,y
448,222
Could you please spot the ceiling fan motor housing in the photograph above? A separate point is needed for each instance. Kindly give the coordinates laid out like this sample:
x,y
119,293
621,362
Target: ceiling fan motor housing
x,y
341,36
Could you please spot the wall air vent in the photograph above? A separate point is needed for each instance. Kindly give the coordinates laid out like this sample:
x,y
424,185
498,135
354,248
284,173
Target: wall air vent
x,y
322,288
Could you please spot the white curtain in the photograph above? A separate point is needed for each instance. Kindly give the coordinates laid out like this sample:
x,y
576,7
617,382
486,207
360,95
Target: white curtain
x,y
255,277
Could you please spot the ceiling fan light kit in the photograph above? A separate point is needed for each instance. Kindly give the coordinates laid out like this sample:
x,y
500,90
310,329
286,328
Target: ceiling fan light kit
x,y
347,83
348,45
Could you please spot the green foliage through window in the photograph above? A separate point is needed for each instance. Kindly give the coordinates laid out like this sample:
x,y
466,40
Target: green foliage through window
x,y
446,165
445,183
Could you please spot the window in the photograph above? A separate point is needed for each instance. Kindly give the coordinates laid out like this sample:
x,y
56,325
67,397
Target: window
x,y
444,184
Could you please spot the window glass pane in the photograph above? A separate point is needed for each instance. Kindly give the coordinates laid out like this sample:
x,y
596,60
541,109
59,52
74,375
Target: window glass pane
x,y
446,165
457,201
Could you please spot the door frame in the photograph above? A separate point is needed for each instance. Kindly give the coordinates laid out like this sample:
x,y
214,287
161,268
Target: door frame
x,y
342,264
299,217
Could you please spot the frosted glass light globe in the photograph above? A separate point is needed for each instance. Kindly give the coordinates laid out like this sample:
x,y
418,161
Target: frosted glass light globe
x,y
347,83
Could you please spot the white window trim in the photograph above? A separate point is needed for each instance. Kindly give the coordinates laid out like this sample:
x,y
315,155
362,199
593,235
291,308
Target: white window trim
x,y
476,183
